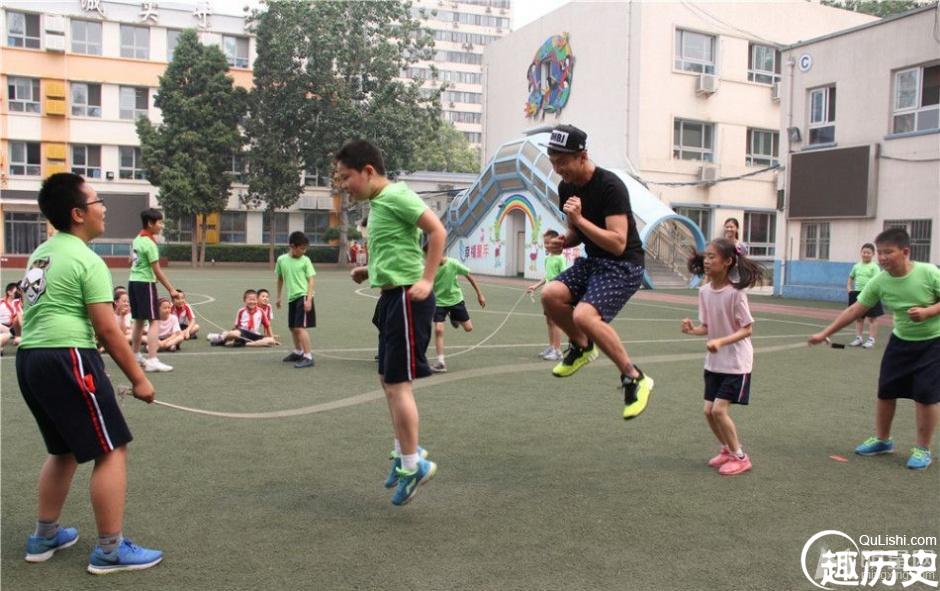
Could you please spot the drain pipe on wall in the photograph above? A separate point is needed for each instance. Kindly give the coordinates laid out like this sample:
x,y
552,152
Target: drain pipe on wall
x,y
788,244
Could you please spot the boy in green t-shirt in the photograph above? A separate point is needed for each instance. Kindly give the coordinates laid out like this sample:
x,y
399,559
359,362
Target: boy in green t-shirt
x,y
861,274
554,264
448,301
142,289
910,367
405,309
296,269
67,293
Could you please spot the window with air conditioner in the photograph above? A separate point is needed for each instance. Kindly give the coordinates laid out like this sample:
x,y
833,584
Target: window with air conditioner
x,y
763,64
916,99
25,159
86,37
23,95
133,102
135,42
763,147
131,164
814,241
86,161
85,99
822,115
693,140
23,30
695,52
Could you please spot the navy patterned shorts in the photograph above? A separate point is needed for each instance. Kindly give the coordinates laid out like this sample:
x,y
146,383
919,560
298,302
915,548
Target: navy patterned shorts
x,y
606,284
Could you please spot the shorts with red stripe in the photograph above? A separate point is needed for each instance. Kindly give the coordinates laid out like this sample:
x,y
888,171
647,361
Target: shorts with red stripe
x,y
404,333
733,387
72,400
143,299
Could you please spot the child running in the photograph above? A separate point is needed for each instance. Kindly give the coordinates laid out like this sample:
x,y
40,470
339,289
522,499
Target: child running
x,y
910,367
725,318
554,264
405,309
448,299
861,273
296,269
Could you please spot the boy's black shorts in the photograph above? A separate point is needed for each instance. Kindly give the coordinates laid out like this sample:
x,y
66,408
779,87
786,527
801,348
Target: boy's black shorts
x,y
910,369
458,313
72,400
873,312
297,318
404,333
143,297
248,335
735,388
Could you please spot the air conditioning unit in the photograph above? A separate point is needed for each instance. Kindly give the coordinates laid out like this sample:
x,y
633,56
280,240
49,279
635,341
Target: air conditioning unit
x,y
775,92
55,42
708,173
706,84
54,23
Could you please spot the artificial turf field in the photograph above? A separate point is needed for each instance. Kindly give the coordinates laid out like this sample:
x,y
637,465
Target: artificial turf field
x,y
541,484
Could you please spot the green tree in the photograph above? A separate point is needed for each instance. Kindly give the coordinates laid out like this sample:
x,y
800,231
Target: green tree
x,y
447,150
879,8
189,154
279,94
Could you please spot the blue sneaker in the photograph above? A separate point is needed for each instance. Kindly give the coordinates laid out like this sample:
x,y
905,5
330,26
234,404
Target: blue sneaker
x,y
127,556
408,482
392,479
874,446
920,458
41,549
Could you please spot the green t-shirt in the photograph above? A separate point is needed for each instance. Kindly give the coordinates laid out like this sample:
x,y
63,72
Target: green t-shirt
x,y
862,273
446,290
554,265
919,288
62,277
144,253
295,271
395,256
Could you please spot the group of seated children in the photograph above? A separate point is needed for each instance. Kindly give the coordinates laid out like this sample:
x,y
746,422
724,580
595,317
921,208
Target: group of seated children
x,y
177,320
252,323
11,314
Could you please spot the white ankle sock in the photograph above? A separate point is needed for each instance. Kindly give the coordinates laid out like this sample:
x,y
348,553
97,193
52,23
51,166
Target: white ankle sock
x,y
440,358
409,462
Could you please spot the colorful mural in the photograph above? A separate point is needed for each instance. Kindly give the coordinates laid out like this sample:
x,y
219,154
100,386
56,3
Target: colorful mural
x,y
550,75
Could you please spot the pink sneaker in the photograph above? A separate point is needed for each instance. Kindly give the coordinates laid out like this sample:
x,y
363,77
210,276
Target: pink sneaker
x,y
723,457
735,466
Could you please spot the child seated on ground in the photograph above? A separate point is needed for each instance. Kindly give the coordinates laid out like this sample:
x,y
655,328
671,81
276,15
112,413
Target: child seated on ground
x,y
122,314
252,328
169,333
264,302
11,309
185,315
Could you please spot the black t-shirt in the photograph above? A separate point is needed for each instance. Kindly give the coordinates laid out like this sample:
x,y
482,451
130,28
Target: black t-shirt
x,y
604,195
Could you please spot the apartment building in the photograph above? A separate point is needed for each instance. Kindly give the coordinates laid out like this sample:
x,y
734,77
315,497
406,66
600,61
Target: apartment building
x,y
861,114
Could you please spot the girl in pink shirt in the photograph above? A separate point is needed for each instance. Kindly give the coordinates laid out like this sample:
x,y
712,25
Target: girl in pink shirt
x,y
725,319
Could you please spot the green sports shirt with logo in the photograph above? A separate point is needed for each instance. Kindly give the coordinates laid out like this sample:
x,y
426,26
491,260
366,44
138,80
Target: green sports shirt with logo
x,y
919,288
295,271
395,255
62,277
144,253
447,291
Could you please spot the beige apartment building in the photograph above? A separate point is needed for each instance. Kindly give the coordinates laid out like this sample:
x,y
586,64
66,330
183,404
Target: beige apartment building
x,y
861,110
683,95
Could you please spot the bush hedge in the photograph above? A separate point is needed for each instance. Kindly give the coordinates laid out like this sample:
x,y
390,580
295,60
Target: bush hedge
x,y
245,253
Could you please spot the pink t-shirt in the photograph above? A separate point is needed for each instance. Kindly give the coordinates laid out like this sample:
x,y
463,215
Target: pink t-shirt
x,y
724,311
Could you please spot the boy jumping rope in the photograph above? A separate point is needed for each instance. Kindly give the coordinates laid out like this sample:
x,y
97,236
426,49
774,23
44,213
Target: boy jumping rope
x,y
142,289
861,273
910,367
448,299
405,309
588,295
554,265
62,378
296,269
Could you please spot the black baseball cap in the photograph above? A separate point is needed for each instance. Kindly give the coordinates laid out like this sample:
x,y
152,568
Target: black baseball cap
x,y
567,138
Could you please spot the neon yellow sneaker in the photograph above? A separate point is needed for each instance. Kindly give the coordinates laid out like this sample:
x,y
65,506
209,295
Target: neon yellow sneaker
x,y
575,359
636,394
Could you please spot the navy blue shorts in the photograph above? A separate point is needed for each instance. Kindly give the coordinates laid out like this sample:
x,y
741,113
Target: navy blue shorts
x,y
910,369
143,297
72,400
873,312
248,335
606,284
735,388
297,317
457,312
404,333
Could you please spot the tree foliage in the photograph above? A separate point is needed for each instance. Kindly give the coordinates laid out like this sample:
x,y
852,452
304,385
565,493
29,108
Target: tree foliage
x,y
879,8
447,149
189,154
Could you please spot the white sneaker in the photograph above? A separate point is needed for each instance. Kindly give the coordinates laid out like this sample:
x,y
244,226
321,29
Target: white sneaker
x,y
140,358
438,367
548,351
855,342
869,343
154,365
555,355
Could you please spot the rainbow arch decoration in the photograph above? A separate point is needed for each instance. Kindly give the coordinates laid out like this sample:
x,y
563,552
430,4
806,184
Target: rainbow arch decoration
x,y
550,75
513,203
